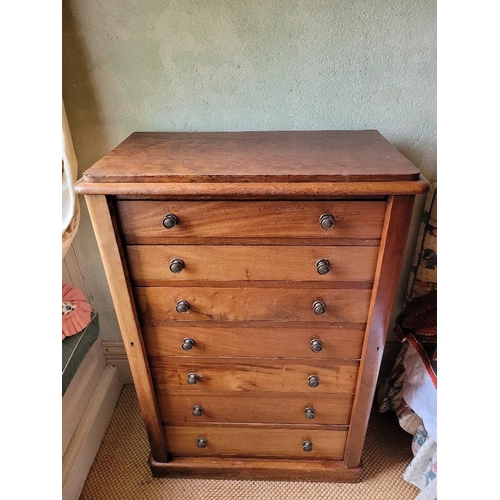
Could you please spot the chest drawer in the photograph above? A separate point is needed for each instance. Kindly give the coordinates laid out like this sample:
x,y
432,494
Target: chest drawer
x,y
253,276
332,376
143,221
166,264
301,341
253,304
249,407
262,441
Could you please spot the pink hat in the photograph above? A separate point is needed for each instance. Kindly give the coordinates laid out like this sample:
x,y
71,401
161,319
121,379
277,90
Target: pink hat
x,y
75,311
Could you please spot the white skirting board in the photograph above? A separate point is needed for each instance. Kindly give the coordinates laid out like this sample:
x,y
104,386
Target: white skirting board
x,y
115,354
82,449
80,390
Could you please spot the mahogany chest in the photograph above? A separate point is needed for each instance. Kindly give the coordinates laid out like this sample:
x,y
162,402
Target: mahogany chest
x,y
253,276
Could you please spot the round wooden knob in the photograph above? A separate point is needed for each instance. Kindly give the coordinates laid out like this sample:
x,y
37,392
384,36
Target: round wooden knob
x,y
309,413
182,307
202,443
307,446
326,221
177,265
319,307
193,378
197,411
170,221
313,381
323,266
316,345
188,344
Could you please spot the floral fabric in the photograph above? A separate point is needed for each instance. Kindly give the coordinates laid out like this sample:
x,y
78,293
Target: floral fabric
x,y
422,470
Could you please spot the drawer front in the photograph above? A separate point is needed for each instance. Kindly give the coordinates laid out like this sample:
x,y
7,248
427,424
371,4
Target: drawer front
x,y
253,304
143,221
262,441
236,341
157,264
333,376
244,407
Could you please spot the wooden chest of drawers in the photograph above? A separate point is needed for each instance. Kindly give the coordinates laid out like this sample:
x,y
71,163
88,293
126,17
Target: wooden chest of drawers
x,y
253,276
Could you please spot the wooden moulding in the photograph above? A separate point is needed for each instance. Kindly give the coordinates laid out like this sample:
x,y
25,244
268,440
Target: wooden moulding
x,y
121,293
257,469
253,190
393,243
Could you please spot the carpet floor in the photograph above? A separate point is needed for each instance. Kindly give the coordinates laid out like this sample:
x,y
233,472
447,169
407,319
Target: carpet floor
x,y
121,472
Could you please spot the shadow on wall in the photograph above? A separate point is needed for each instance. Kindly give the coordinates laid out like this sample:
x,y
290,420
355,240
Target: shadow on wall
x,y
82,108
90,142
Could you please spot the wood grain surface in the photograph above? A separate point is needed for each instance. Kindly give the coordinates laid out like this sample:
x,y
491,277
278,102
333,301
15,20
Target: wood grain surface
x,y
252,407
262,441
396,229
264,469
121,293
142,221
271,341
150,264
310,156
253,304
253,190
248,207
335,376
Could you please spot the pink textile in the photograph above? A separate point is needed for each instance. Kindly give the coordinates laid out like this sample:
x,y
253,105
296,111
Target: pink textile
x,y
76,311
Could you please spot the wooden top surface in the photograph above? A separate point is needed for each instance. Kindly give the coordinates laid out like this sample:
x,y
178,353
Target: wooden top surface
x,y
258,157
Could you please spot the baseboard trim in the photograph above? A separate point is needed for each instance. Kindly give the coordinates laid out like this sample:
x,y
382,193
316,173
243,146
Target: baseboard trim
x,y
80,391
115,354
83,447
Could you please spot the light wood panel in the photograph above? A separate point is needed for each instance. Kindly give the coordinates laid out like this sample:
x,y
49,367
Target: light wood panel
x,y
253,304
255,407
248,441
142,222
246,341
150,264
126,312
335,376
289,156
388,269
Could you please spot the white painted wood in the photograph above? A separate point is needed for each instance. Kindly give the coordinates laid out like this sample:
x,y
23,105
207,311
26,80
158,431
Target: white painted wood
x,y
72,274
66,276
80,390
83,447
116,355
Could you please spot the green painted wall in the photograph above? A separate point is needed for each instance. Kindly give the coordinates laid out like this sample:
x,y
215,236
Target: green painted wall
x,y
251,65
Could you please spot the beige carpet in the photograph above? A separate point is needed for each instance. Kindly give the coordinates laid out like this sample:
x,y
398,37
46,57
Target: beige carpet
x,y
121,472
